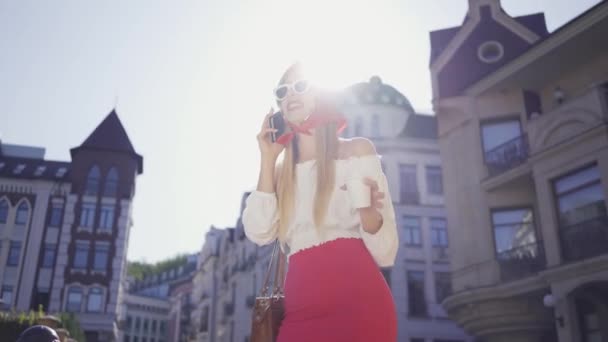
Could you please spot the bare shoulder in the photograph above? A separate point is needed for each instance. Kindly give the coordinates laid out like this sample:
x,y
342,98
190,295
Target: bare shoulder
x,y
358,147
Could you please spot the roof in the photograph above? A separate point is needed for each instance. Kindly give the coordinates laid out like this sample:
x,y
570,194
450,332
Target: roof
x,y
377,92
27,168
420,126
110,135
441,38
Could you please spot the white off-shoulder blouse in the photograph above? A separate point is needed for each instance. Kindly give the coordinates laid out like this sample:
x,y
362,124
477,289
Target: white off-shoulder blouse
x,y
341,221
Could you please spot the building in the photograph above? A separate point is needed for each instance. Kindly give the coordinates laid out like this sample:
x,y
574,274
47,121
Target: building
x,y
407,143
146,318
64,227
229,276
523,136
155,306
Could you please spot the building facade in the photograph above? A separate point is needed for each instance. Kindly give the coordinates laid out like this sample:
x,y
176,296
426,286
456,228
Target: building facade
x,y
407,143
64,228
229,276
523,136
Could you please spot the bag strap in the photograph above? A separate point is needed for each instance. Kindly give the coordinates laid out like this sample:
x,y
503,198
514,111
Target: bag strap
x,y
278,258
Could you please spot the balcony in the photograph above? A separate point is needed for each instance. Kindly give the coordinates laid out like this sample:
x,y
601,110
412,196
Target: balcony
x,y
563,123
522,261
586,239
507,156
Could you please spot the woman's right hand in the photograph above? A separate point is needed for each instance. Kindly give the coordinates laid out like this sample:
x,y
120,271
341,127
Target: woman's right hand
x,y
270,151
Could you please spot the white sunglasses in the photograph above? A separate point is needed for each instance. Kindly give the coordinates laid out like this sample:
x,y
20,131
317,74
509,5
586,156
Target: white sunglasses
x,y
298,87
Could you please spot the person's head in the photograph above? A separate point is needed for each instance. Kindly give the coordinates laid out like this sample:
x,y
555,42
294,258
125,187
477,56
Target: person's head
x,y
38,333
295,95
297,102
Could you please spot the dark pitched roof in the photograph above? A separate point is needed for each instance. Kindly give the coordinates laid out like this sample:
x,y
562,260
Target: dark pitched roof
x,y
420,126
441,38
26,168
110,135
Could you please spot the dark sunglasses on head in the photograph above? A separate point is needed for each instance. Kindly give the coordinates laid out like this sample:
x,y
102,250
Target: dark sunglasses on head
x,y
298,87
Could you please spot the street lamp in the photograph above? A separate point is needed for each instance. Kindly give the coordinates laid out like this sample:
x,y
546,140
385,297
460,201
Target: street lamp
x,y
549,301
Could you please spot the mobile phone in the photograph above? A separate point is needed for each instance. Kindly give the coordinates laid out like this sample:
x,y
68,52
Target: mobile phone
x,y
277,122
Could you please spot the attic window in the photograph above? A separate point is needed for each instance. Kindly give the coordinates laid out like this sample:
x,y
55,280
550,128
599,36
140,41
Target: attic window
x,y
490,52
61,172
39,171
18,169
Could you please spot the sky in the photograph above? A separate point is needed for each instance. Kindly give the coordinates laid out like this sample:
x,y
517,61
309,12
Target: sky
x,y
191,81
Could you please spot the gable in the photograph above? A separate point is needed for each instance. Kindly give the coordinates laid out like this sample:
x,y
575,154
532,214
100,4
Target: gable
x,y
465,66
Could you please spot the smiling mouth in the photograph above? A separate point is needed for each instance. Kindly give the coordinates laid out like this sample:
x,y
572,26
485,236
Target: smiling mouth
x,y
294,105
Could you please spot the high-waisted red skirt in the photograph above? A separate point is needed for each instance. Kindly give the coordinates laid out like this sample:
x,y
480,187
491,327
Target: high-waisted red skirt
x,y
336,292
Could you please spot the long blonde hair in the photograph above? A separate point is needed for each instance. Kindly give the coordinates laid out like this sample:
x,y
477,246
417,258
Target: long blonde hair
x,y
326,144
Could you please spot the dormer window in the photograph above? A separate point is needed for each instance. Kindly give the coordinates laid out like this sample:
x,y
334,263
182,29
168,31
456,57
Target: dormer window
x,y
490,52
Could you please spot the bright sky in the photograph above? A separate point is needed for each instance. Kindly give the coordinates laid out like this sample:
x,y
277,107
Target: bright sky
x,y
192,79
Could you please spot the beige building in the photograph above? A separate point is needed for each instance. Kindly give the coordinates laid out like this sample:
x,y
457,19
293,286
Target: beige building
x,y
523,136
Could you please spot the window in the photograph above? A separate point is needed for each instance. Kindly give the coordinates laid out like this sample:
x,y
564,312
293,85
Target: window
x,y
439,232
3,210
443,286
111,187
581,211
56,212
7,295
375,125
434,180
146,325
495,134
100,261
137,323
490,52
153,328
415,290
135,339
205,319
14,253
358,126
48,255
23,212
87,215
81,256
580,197
92,184
411,226
513,229
129,323
126,339
106,217
74,299
162,328
94,299
408,187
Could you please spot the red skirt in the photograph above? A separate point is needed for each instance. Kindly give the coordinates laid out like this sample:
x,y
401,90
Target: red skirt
x,y
336,292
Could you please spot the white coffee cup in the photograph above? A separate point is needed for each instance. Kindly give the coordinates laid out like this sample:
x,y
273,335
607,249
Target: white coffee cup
x,y
359,193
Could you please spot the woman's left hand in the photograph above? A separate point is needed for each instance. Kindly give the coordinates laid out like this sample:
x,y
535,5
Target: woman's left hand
x,y
371,218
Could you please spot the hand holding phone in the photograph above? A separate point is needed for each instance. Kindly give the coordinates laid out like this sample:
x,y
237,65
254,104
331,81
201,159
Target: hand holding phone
x,y
277,121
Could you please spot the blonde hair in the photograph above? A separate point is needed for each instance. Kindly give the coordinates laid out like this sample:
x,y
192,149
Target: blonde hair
x,y
326,141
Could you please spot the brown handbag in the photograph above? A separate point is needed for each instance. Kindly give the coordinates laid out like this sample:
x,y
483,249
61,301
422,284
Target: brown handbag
x,y
268,310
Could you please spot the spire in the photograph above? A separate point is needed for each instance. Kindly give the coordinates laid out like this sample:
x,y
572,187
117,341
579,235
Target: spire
x,y
110,135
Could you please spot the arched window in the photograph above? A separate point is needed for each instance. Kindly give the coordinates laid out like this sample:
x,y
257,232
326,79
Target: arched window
x,y
94,300
111,186
74,301
3,210
92,185
23,212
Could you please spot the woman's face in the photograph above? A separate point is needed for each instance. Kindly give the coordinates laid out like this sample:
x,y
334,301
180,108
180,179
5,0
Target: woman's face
x,y
296,105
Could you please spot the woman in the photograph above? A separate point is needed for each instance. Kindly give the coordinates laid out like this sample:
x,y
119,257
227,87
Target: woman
x,y
334,290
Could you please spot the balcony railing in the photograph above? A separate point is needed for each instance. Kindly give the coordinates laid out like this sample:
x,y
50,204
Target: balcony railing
x,y
586,239
522,261
507,155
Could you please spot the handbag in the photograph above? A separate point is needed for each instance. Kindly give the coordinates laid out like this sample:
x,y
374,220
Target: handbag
x,y
269,310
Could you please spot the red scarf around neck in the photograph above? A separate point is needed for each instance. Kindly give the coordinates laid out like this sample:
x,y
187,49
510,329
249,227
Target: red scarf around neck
x,y
323,115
